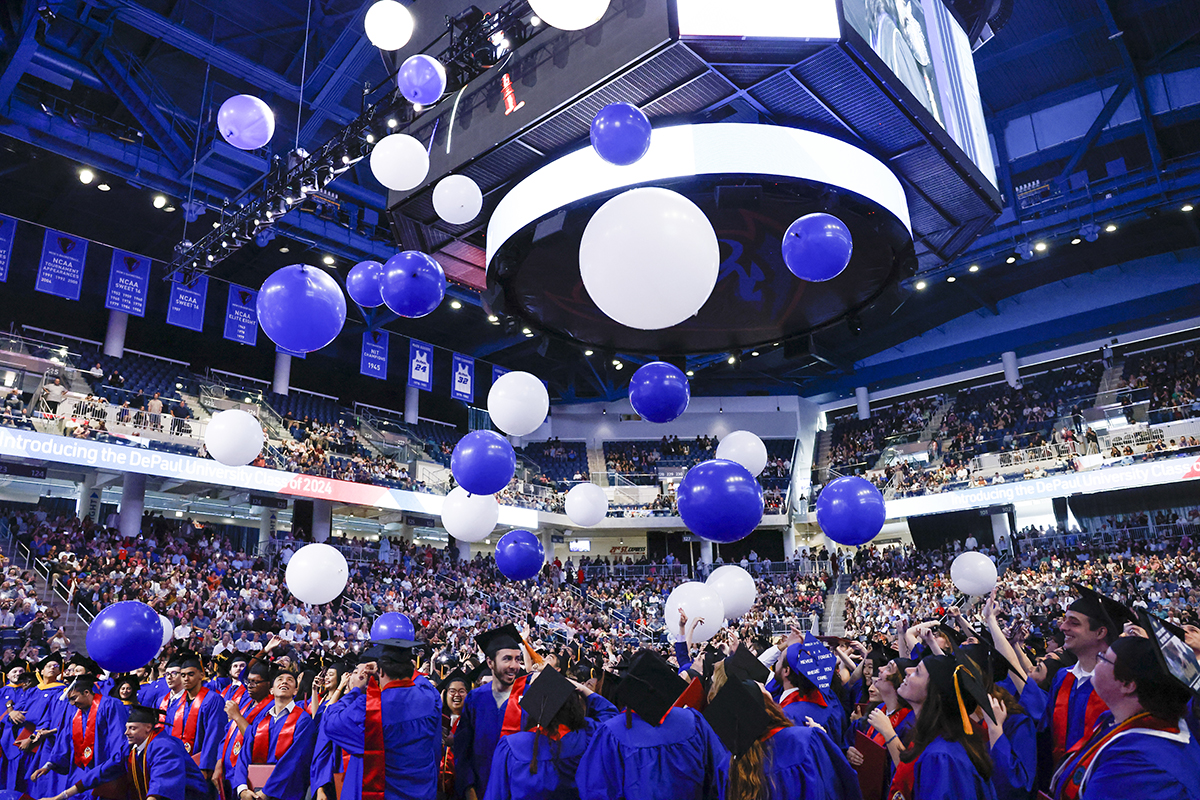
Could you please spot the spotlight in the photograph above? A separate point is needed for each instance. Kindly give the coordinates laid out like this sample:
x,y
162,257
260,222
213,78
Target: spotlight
x,y
1110,228
169,209
1040,247
920,286
535,21
455,305
493,318
1010,260
951,279
327,260
1090,232
210,256
731,360
285,249
526,331
1076,240
392,122
690,373
754,353
616,362
1025,251
86,176
974,268
104,187
418,108
159,200
1187,208
618,365
216,224
370,138
587,352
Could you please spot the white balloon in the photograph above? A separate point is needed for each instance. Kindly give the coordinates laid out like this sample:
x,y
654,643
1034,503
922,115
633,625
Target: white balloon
x,y
649,258
399,162
316,574
518,403
457,199
233,437
389,25
168,630
973,573
469,517
735,587
696,600
746,449
587,504
569,15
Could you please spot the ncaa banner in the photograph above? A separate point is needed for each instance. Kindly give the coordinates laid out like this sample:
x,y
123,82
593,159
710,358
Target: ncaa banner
x,y
497,372
61,269
241,315
420,365
8,232
185,308
128,281
463,385
374,354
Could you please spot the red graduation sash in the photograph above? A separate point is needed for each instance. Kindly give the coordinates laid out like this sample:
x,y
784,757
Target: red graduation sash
x,y
895,718
446,768
512,709
262,737
187,718
166,701
1068,784
1060,723
557,733
374,751
815,697
232,732
85,740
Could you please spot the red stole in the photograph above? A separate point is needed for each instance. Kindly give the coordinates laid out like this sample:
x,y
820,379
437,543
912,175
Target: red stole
x,y
250,714
85,739
1085,751
815,697
895,718
166,701
446,768
512,709
261,753
187,718
1061,721
137,767
557,733
374,751
904,781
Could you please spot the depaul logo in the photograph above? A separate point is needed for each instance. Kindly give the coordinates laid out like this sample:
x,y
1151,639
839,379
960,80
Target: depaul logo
x,y
1193,471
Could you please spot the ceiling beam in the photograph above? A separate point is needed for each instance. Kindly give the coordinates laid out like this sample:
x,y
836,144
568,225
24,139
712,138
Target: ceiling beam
x,y
21,55
1116,34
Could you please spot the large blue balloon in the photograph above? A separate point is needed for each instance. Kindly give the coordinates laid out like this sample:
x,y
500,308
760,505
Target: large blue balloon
x,y
124,636
621,134
659,392
392,625
483,462
364,284
519,555
422,79
413,284
851,511
817,247
720,500
301,308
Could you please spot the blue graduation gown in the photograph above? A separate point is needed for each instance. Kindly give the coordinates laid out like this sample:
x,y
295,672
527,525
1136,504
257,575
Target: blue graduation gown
x,y
289,781
47,709
803,763
151,693
681,759
1016,759
327,757
210,730
944,772
1040,705
412,736
13,762
557,761
830,717
111,715
476,739
170,772
1145,765
902,728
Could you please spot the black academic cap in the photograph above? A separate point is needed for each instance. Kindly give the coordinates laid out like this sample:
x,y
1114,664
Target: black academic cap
x,y
506,637
85,681
957,681
953,634
738,715
1110,613
744,666
51,658
991,664
191,661
145,714
259,668
546,696
80,660
1174,660
457,676
650,687
583,670
395,649
477,673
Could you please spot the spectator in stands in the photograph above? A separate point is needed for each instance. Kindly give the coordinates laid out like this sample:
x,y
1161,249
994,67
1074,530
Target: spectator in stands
x,y
115,378
54,394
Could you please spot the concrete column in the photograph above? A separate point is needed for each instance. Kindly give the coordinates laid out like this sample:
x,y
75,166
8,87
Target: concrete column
x,y
547,538
1001,532
133,503
862,397
789,542
464,549
412,404
283,373
706,551
1009,360
114,337
322,520
84,507
267,522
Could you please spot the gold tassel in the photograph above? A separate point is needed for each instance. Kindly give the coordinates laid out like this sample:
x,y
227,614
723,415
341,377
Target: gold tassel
x,y
962,707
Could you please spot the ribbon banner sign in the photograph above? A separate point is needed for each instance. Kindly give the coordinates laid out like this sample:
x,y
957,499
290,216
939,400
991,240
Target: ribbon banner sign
x,y
463,385
241,315
497,372
8,232
420,365
374,354
61,269
128,279
186,307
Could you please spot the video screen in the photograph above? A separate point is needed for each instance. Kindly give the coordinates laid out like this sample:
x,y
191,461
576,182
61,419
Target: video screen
x,y
776,19
580,546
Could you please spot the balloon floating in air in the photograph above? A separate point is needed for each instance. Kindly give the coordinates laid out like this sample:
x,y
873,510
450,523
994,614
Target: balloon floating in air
x,y
469,517
569,15
246,122
720,500
659,392
389,25
422,79
364,284
233,437
399,162
392,625
735,587
817,247
518,403
698,602
125,636
457,199
317,574
973,573
483,462
746,449
519,555
413,284
301,308
851,511
168,629
620,134
587,504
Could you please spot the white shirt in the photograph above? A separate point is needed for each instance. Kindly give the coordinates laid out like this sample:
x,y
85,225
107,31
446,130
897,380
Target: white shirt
x,y
276,712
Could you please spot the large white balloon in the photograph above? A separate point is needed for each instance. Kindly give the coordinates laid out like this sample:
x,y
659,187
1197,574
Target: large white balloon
x,y
317,574
696,600
518,403
233,437
389,25
587,504
457,199
973,573
569,15
399,162
735,587
746,449
168,630
469,517
649,258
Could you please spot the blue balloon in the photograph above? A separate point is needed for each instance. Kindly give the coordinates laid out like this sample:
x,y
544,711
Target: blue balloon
x,y
483,462
659,392
817,247
392,625
621,134
422,79
851,511
720,500
519,555
301,308
413,284
364,284
124,636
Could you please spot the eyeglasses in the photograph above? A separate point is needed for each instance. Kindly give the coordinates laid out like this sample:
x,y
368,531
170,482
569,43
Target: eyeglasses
x,y
1105,659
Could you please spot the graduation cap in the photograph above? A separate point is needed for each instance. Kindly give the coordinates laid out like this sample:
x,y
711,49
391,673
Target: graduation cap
x,y
649,687
393,649
953,634
80,660
477,673
122,680
457,676
259,668
546,696
583,670
813,660
506,637
52,658
738,715
957,680
1102,609
145,714
991,663
1175,660
744,666
191,661
18,663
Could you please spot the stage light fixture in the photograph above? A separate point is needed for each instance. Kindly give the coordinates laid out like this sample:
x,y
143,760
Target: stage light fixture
x,y
920,286
86,176
455,305
104,187
754,353
689,373
1110,228
618,365
526,331
1010,260
1040,247
731,360
951,279
974,268
1076,240
588,352
327,260
1025,251
392,122
160,201
285,249
1187,208
492,318
169,209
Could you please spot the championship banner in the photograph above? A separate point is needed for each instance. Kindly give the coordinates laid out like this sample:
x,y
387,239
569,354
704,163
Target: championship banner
x,y
462,387
497,372
241,315
61,269
374,354
8,232
128,282
186,306
420,365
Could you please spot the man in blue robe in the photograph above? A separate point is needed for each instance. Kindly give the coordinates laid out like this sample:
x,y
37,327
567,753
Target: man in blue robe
x,y
197,716
170,684
242,712
46,714
805,675
289,733
94,733
490,712
14,699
